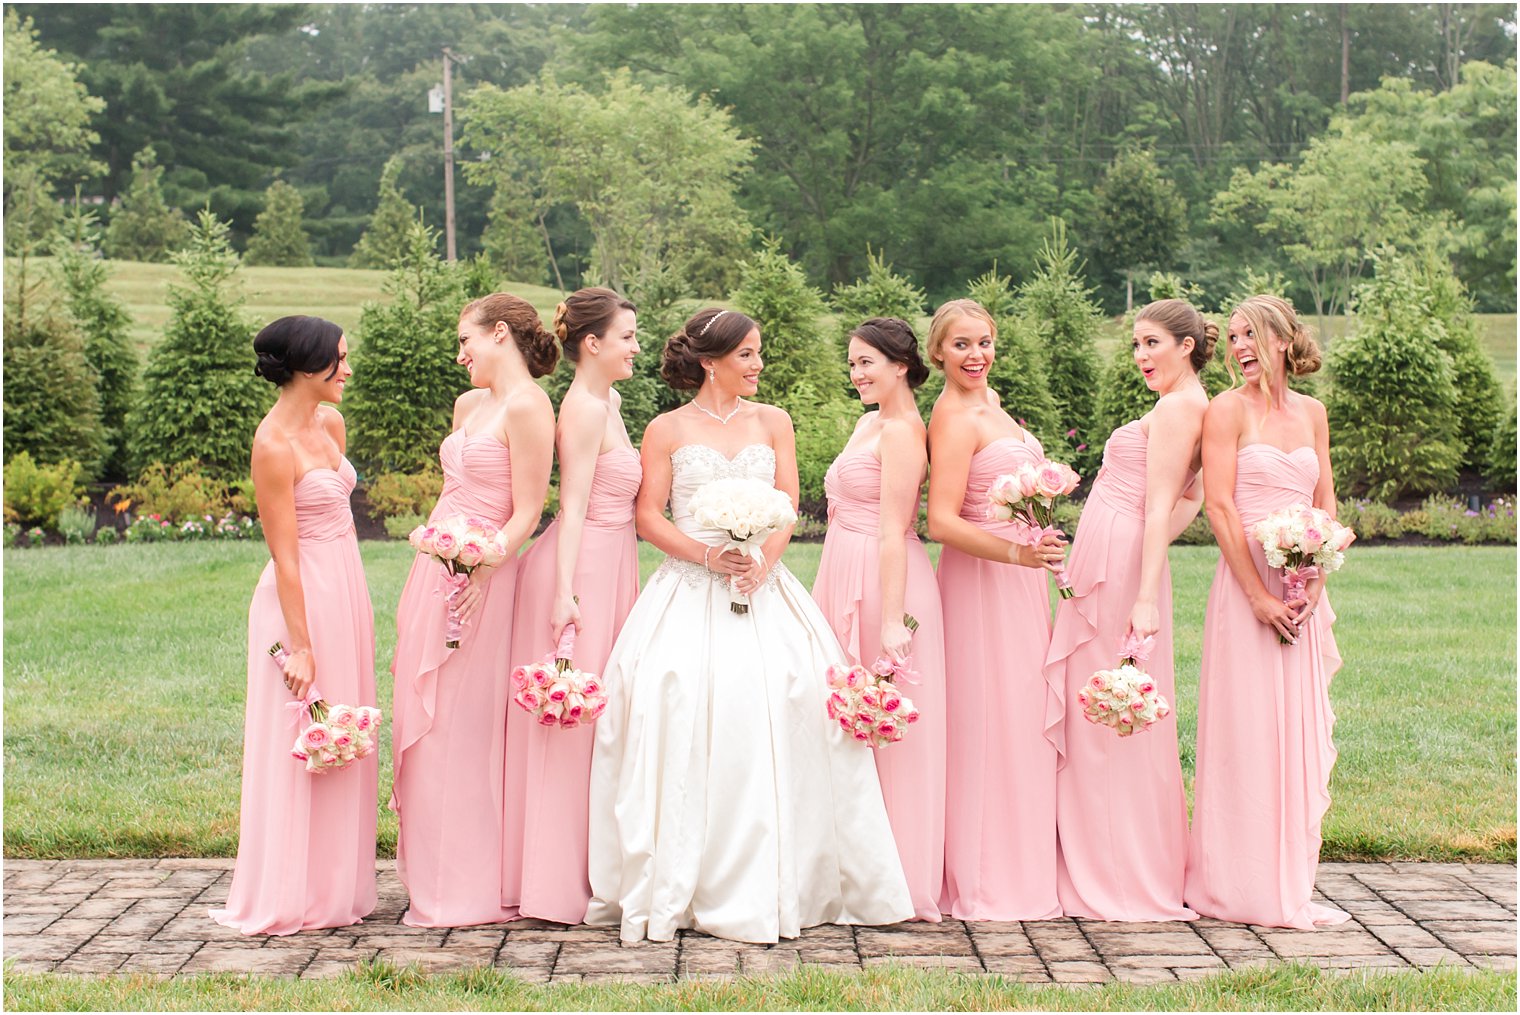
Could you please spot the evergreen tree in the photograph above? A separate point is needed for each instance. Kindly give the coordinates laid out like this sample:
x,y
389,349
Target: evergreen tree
x,y
1478,397
405,379
200,397
144,228
105,324
1018,369
1140,217
278,238
882,293
1500,467
388,238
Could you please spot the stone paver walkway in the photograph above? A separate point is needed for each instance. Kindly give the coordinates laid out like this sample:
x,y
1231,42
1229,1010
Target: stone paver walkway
x,y
149,916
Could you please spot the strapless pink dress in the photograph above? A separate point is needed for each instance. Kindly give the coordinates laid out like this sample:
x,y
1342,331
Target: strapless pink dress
x,y
548,771
306,843
1118,860
848,591
1262,784
451,711
1000,772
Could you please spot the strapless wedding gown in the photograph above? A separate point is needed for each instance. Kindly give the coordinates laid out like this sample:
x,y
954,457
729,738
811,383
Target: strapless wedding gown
x,y
722,797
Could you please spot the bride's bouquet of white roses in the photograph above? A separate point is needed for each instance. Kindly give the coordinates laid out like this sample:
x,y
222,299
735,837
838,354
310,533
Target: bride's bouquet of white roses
x,y
748,511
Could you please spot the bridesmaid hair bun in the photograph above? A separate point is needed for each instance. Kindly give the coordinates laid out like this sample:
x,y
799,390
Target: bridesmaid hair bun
x,y
893,337
1268,314
1181,319
586,312
708,334
1304,356
537,346
296,344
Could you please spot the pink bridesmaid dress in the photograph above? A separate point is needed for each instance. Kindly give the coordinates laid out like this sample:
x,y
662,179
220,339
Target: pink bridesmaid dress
x,y
548,771
848,591
1000,777
1262,784
451,711
306,845
1118,859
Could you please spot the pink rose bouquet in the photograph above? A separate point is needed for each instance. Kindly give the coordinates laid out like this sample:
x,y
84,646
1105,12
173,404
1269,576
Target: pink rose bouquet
x,y
1028,496
867,704
337,735
1305,542
461,545
557,694
1125,699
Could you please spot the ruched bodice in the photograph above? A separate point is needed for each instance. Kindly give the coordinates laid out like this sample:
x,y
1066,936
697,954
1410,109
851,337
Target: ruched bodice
x,y
1121,481
614,485
1268,478
477,478
853,487
1001,456
694,465
322,507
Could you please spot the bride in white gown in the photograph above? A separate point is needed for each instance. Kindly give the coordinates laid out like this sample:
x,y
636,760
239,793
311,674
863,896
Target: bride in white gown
x,y
722,797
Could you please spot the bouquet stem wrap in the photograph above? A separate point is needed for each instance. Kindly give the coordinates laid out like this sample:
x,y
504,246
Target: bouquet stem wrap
x,y
454,584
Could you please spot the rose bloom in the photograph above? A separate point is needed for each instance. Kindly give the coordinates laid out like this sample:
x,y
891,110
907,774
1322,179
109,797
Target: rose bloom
x,y
316,737
1050,480
1313,540
342,715
445,545
471,553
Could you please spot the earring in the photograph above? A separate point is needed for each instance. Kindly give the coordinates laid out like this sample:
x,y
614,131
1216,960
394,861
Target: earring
x,y
712,375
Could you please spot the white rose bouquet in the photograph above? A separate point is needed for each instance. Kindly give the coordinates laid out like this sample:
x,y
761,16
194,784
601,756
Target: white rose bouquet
x,y
748,511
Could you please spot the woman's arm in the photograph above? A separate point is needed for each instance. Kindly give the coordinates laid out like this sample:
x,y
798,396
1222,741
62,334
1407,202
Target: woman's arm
x,y
778,426
1221,446
952,442
1324,497
1175,427
903,457
582,425
274,478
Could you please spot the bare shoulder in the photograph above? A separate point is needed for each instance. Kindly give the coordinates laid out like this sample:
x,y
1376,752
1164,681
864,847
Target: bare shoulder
x,y
272,451
772,415
1313,407
1179,406
332,421
1226,406
528,399
581,408
661,431
469,399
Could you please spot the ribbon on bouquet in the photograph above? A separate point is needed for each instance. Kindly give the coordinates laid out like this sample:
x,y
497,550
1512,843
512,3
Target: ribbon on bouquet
x,y
302,707
899,671
1295,584
454,584
1030,533
563,652
738,602
1136,650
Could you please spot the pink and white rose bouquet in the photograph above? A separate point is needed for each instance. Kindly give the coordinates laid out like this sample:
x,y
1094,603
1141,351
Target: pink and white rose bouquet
x,y
867,704
556,693
747,511
1028,495
1125,699
337,735
461,545
1305,542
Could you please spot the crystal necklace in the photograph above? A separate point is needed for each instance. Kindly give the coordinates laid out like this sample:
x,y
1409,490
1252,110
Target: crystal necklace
x,y
721,419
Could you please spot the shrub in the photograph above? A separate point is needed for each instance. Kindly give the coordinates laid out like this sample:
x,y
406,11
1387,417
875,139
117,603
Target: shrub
x,y
1197,533
106,535
31,537
1018,371
401,398
12,534
882,293
200,398
1500,471
278,238
39,493
1448,519
76,523
150,529
173,492
144,227
1393,422
401,526
823,423
399,493
1478,398
1370,519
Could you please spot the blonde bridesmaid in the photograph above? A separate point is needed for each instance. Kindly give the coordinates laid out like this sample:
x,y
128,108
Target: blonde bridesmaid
x,y
874,570
581,575
1264,720
451,704
1146,492
306,843
1000,796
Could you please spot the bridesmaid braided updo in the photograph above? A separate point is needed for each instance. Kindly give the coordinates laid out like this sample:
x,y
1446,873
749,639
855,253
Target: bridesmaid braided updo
x,y
586,312
537,346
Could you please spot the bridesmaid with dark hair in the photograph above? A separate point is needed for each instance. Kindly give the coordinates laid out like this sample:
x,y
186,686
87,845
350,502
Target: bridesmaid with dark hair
x,y
306,843
1264,719
582,576
451,704
874,571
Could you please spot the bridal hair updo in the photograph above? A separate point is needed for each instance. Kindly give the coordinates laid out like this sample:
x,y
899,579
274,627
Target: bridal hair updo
x,y
941,323
1273,315
1181,319
296,343
537,346
707,334
893,338
584,313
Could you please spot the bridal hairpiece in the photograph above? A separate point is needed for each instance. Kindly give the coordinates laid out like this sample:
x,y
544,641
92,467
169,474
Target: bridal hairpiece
x,y
709,324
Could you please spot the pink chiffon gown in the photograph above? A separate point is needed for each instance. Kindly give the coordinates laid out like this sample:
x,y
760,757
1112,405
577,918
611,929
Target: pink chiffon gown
x,y
306,843
1000,773
848,591
1117,860
451,711
1262,784
548,771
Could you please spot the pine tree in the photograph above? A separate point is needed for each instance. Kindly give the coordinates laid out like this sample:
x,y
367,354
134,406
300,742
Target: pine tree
x,y
278,237
882,293
1478,397
387,239
200,398
144,228
1018,369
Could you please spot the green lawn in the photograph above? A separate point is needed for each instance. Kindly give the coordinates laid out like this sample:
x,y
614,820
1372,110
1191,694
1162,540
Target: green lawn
x,y
124,690
893,988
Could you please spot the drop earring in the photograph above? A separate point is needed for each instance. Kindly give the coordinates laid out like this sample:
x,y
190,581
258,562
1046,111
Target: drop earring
x,y
712,376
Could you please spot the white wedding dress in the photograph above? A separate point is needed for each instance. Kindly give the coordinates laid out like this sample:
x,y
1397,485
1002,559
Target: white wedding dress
x,y
722,797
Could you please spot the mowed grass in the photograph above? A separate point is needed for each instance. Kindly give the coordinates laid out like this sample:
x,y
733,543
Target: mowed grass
x,y
124,691
380,987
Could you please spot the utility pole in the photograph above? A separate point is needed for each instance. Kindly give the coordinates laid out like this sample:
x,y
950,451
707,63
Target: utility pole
x,y
448,156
